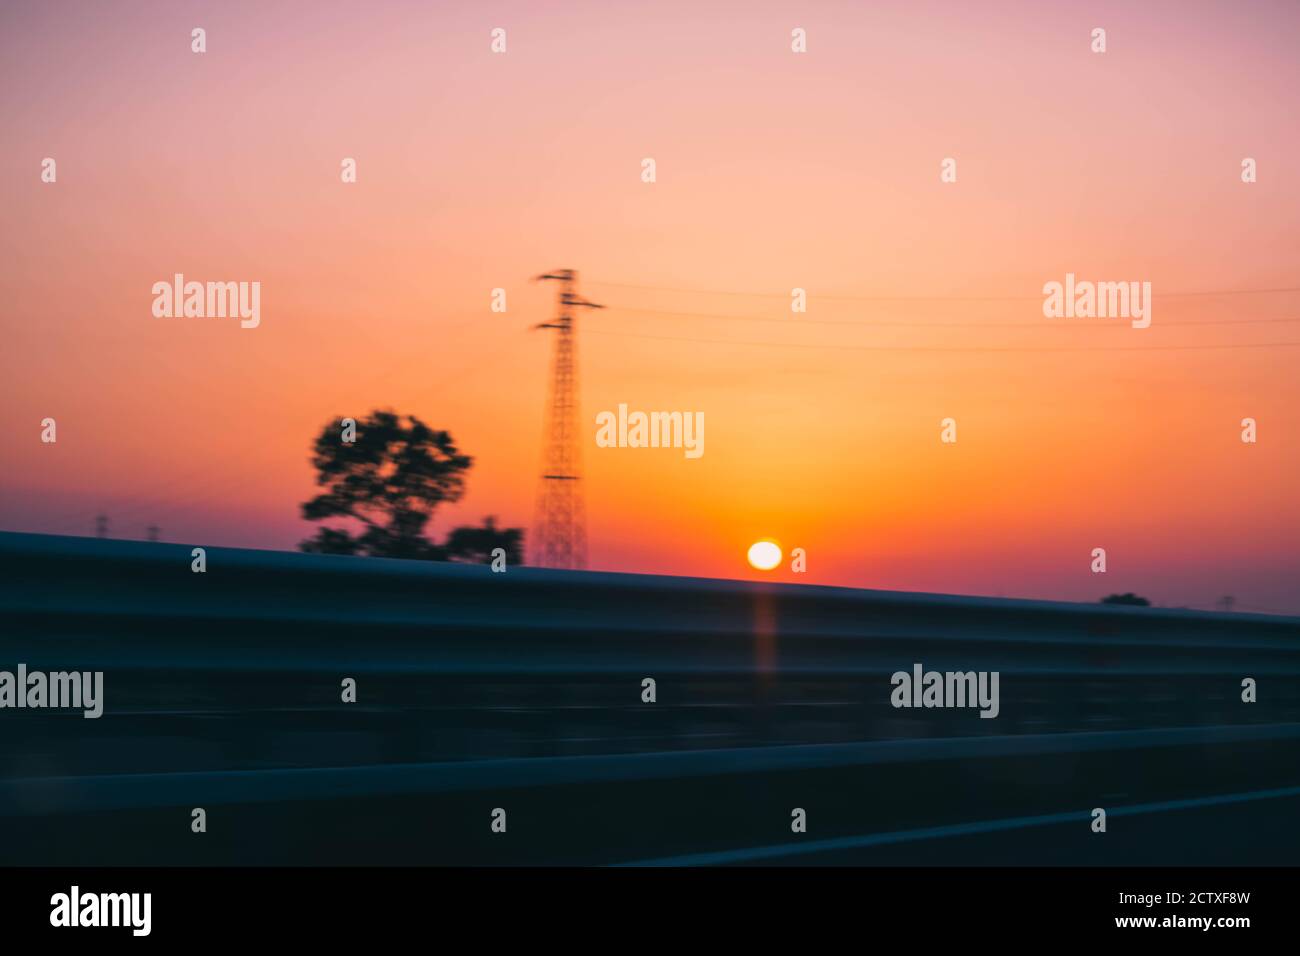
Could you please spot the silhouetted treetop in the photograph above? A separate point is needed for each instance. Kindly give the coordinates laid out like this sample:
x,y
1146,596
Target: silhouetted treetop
x,y
389,479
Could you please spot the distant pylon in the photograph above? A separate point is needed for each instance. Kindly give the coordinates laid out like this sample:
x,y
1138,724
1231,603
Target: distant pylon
x,y
560,533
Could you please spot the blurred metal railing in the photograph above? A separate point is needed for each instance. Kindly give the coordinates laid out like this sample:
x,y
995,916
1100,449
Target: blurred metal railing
x,y
223,686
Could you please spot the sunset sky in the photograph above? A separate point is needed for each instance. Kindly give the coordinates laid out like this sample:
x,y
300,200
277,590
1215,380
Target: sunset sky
x,y
775,170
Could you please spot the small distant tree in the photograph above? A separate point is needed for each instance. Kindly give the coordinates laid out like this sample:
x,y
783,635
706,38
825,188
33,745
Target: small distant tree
x,y
477,544
387,484
1127,598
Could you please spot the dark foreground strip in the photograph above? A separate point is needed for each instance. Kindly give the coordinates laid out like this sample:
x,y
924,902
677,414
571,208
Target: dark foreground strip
x,y
491,908
797,850
136,791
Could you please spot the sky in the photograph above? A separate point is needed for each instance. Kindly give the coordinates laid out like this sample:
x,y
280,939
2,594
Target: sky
x,y
774,170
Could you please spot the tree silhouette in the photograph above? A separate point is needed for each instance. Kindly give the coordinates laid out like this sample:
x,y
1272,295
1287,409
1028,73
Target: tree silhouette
x,y
477,544
1126,598
389,480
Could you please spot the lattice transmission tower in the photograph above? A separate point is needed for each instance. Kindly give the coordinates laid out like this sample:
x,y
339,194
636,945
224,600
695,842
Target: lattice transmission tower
x,y
560,533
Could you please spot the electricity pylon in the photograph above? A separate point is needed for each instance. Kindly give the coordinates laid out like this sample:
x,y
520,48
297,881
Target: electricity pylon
x,y
560,533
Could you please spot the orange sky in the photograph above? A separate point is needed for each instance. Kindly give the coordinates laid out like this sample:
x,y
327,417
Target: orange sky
x,y
775,170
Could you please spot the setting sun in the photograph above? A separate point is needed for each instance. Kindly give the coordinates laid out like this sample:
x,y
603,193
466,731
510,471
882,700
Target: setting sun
x,y
764,555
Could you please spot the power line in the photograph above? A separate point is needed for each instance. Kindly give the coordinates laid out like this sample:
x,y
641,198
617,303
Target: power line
x,y
798,319
953,348
922,298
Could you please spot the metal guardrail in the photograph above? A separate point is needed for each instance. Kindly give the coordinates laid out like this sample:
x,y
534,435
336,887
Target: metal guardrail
x,y
146,596
222,688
